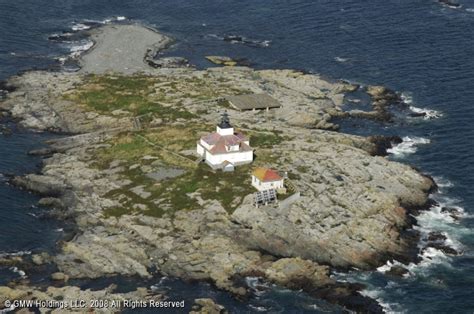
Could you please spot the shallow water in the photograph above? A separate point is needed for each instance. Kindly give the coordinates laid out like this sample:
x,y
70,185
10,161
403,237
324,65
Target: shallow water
x,y
21,229
417,47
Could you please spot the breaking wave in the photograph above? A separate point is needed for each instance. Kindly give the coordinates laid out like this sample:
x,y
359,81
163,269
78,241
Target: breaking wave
x,y
340,59
409,145
76,40
18,271
80,48
425,113
13,254
377,295
237,39
88,24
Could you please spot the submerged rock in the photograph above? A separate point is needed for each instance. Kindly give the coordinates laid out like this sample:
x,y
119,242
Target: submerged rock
x,y
397,271
168,62
227,61
444,248
454,212
450,3
382,99
436,236
383,143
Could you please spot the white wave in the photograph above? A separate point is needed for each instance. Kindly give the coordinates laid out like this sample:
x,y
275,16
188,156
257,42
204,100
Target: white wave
x,y
470,10
81,47
19,253
18,271
443,183
340,59
62,60
266,43
257,285
376,294
385,268
429,257
87,24
428,114
407,97
113,19
258,308
160,283
441,221
408,145
80,27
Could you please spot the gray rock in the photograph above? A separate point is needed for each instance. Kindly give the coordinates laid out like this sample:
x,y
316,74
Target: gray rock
x,y
59,276
207,306
169,62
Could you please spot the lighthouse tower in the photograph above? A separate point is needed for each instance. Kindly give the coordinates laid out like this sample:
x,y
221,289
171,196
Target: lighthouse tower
x,y
225,149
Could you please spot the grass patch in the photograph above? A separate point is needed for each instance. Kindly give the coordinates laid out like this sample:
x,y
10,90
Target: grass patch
x,y
265,140
162,96
135,94
170,195
303,169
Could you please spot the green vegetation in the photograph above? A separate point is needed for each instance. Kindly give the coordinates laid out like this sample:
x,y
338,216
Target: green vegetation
x,y
265,140
135,94
302,169
169,195
166,98
161,96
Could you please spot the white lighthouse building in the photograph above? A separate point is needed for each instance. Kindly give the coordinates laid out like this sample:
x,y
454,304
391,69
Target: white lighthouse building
x,y
225,149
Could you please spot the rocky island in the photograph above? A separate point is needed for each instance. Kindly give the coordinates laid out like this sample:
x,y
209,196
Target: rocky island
x,y
143,204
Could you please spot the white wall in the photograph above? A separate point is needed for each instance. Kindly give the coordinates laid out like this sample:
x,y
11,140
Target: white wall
x,y
205,145
262,186
231,157
200,150
223,132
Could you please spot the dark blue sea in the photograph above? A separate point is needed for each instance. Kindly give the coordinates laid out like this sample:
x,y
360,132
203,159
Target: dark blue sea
x,y
419,48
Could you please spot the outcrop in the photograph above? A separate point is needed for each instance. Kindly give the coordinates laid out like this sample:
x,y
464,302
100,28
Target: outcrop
x,y
353,208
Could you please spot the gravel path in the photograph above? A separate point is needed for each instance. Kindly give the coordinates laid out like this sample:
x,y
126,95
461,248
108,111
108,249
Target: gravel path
x,y
121,49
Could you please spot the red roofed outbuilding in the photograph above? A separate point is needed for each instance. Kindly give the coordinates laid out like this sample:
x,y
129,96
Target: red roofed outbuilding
x,y
267,179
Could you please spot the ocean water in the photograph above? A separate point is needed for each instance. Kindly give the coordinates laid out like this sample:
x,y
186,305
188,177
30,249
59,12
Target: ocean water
x,y
416,47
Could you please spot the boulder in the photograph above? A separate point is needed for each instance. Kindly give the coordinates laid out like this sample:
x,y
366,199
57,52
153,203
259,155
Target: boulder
x,y
296,273
58,276
207,306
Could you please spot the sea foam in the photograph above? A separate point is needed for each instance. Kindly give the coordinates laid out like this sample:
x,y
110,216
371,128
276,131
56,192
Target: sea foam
x,y
427,114
340,59
409,145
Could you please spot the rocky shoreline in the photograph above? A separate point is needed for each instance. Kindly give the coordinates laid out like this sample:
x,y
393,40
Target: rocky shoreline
x,y
355,205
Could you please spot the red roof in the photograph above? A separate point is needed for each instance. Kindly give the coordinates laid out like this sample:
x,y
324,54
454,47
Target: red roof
x,y
214,138
221,143
266,175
